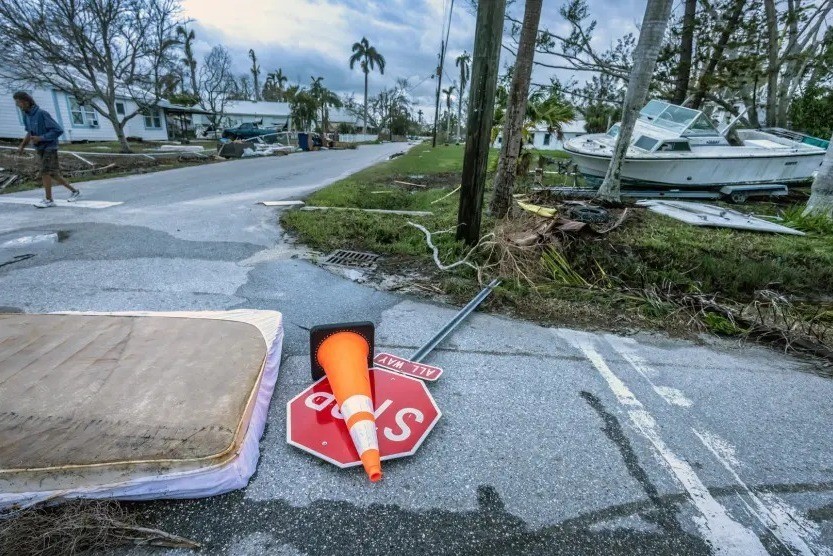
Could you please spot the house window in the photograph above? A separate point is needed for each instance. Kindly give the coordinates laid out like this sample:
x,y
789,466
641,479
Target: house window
x,y
120,108
547,137
82,115
90,115
76,113
153,118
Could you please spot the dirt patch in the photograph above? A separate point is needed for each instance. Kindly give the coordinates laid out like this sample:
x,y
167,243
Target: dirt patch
x,y
26,166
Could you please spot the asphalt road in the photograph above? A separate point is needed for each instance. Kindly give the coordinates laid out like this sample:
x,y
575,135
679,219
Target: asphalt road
x,y
551,441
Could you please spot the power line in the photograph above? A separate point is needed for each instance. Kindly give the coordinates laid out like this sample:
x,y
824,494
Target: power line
x,y
443,47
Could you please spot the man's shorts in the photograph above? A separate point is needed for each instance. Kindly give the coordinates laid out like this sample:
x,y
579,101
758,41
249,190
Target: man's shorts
x,y
48,162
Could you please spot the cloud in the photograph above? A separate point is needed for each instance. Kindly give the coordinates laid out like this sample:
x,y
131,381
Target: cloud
x,y
314,37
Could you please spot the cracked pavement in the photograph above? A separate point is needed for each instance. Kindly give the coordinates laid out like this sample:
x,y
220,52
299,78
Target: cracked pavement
x,y
552,441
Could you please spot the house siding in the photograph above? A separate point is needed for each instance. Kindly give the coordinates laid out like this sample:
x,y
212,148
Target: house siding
x,y
574,130
57,104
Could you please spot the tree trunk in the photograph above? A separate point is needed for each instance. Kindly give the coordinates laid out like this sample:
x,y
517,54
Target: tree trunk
x,y
448,125
772,62
364,131
515,112
751,103
460,111
119,128
645,56
686,51
194,78
821,196
790,65
717,54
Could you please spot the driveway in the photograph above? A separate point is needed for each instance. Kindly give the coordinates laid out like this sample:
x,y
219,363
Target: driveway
x,y
552,441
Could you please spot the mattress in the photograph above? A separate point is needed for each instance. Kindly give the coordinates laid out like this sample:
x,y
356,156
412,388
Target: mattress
x,y
133,405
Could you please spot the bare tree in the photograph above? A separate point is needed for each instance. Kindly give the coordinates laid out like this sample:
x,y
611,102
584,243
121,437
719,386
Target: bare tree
x,y
96,51
516,111
216,82
645,55
821,196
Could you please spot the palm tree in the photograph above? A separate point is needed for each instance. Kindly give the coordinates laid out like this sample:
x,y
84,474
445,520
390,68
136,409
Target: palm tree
x,y
464,63
516,112
324,99
189,61
448,92
255,73
273,88
645,56
368,57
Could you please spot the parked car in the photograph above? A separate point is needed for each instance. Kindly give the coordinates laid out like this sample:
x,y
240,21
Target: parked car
x,y
247,131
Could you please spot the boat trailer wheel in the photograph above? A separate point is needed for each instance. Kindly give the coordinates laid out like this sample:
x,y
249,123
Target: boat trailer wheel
x,y
738,197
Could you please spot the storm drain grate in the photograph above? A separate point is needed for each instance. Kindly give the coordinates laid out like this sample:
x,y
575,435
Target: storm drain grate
x,y
353,259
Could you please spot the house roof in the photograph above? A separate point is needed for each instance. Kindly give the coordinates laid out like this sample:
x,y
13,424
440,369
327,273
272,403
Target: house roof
x,y
339,115
576,126
257,108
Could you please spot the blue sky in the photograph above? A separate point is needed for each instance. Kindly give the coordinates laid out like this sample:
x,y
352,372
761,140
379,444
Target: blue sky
x,y
314,37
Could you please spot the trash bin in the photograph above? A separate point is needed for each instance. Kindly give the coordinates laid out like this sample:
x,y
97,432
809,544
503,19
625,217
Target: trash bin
x,y
303,141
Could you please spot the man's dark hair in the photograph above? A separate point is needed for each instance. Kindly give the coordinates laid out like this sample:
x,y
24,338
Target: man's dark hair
x,y
24,96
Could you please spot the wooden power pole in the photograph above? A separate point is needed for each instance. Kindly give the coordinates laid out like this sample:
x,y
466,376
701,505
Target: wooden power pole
x,y
484,73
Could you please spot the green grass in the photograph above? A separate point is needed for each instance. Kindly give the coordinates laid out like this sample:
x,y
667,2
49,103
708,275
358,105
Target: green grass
x,y
654,249
388,234
595,281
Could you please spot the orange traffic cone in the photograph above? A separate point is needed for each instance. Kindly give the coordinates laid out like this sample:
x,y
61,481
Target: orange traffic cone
x,y
344,358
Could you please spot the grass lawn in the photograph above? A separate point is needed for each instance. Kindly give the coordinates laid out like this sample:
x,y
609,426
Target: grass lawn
x,y
620,272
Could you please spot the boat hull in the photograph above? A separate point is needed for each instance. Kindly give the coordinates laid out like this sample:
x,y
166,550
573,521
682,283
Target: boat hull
x,y
704,172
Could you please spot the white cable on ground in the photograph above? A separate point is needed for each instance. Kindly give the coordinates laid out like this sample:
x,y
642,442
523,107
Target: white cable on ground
x,y
440,265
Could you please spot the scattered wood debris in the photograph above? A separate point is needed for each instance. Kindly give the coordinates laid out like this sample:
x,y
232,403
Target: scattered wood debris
x,y
376,211
409,184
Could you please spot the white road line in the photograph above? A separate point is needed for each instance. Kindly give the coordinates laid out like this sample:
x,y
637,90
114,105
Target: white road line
x,y
775,514
624,347
60,202
725,535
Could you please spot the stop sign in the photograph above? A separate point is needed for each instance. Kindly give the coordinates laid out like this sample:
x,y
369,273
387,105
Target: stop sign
x,y
405,414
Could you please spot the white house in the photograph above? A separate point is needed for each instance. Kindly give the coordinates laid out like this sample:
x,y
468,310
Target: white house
x,y
80,123
272,114
548,141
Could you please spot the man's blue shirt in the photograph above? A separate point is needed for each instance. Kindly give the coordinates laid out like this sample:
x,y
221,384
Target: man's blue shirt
x,y
39,122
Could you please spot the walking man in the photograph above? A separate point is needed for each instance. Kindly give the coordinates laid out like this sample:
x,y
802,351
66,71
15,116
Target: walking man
x,y
43,131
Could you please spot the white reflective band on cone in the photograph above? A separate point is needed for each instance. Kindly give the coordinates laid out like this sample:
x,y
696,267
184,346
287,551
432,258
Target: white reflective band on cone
x,y
356,404
364,436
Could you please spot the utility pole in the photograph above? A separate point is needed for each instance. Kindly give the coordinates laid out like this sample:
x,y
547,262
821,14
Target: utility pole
x,y
440,67
484,73
437,103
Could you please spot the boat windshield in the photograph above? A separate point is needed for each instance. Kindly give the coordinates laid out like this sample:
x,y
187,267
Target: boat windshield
x,y
677,118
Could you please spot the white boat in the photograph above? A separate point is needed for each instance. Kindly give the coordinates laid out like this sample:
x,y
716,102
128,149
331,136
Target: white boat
x,y
673,146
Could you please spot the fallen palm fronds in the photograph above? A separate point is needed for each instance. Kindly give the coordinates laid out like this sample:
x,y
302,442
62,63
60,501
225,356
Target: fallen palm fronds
x,y
769,319
76,527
